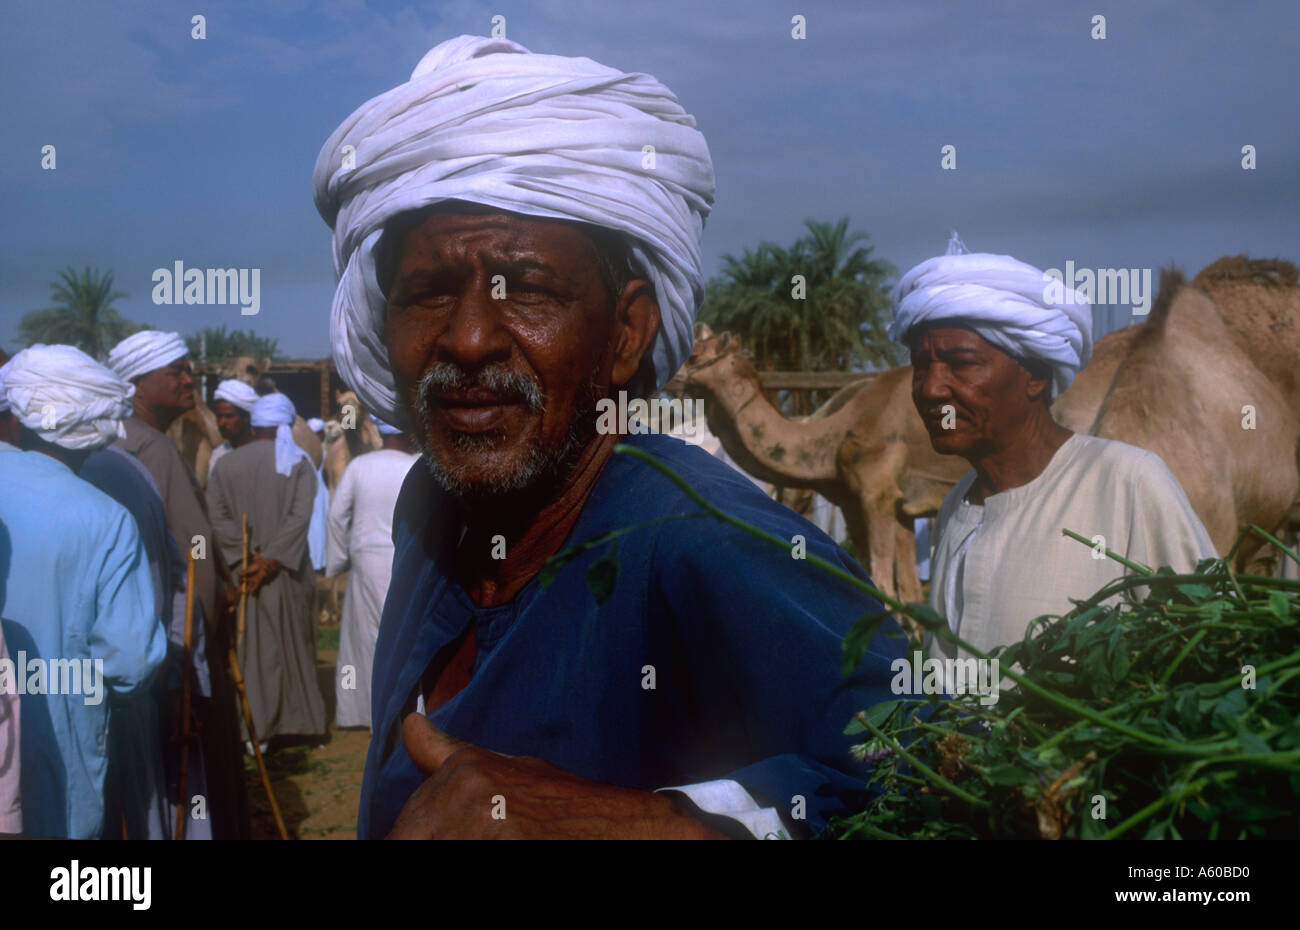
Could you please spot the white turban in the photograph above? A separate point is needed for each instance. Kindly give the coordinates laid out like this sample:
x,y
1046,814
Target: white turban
x,y
1015,307
277,410
234,391
486,121
145,352
66,397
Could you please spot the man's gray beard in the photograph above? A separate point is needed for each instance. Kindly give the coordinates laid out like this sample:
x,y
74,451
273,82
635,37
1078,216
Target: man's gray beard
x,y
541,469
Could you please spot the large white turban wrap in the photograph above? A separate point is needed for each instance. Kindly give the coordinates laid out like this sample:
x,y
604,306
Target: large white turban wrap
x,y
486,121
145,352
278,411
234,391
66,397
1014,306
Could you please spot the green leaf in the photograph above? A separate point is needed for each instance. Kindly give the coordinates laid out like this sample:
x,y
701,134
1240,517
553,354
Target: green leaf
x,y
1280,603
550,568
602,574
1006,775
1251,742
1229,710
1195,593
858,639
878,714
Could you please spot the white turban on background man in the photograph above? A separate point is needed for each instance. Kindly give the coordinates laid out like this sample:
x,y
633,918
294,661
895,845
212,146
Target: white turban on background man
x,y
66,397
239,393
145,352
278,411
1015,307
486,121
385,429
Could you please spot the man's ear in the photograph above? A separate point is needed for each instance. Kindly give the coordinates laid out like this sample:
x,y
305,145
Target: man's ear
x,y
1038,387
636,323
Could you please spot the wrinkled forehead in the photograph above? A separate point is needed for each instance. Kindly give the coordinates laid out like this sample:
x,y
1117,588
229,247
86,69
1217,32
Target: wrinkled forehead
x,y
453,231
454,226
947,336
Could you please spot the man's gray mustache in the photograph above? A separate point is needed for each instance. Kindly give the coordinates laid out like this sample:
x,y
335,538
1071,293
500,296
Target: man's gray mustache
x,y
504,383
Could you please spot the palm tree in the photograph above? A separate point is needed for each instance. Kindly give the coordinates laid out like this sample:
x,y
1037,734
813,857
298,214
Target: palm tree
x,y
82,314
217,343
839,324
746,299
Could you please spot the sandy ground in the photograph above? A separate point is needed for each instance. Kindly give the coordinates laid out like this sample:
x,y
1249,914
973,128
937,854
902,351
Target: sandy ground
x,y
317,787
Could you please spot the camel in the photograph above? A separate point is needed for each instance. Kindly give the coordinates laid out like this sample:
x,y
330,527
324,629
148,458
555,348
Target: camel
x,y
344,443
1193,376
866,450
195,433
1077,408
1259,304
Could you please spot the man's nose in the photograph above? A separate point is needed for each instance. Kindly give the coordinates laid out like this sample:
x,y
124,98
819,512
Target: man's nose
x,y
933,384
475,333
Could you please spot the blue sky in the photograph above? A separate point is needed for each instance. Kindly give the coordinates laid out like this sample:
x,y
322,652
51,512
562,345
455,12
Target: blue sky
x,y
1124,152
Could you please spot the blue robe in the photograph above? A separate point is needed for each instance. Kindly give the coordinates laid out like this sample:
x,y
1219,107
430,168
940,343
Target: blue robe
x,y
745,642
74,586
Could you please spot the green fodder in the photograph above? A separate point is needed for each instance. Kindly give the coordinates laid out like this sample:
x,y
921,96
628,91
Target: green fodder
x,y
1172,713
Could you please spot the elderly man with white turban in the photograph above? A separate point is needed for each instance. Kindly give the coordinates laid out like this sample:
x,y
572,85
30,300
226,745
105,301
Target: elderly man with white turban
x,y
273,482
157,364
517,236
80,618
993,342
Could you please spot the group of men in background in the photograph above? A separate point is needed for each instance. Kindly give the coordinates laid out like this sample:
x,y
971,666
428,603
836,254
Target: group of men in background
x,y
99,514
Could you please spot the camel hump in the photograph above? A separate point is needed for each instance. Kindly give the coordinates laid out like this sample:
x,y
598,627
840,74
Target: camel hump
x,y
1171,282
1265,272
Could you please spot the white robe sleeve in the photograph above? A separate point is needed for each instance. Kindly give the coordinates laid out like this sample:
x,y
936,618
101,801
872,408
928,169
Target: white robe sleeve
x,y
339,523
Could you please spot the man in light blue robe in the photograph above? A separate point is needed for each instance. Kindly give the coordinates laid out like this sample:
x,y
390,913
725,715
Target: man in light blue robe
x,y
76,595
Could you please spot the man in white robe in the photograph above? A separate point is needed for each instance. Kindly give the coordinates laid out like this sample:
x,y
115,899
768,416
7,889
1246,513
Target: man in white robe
x,y
361,543
993,342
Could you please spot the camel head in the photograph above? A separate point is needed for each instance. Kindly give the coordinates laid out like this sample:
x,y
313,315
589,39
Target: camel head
x,y
715,359
364,434
244,368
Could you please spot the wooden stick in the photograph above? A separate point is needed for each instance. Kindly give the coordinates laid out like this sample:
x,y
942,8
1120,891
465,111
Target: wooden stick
x,y
182,807
237,674
243,585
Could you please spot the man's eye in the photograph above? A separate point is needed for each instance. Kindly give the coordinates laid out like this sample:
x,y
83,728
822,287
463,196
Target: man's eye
x,y
528,289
